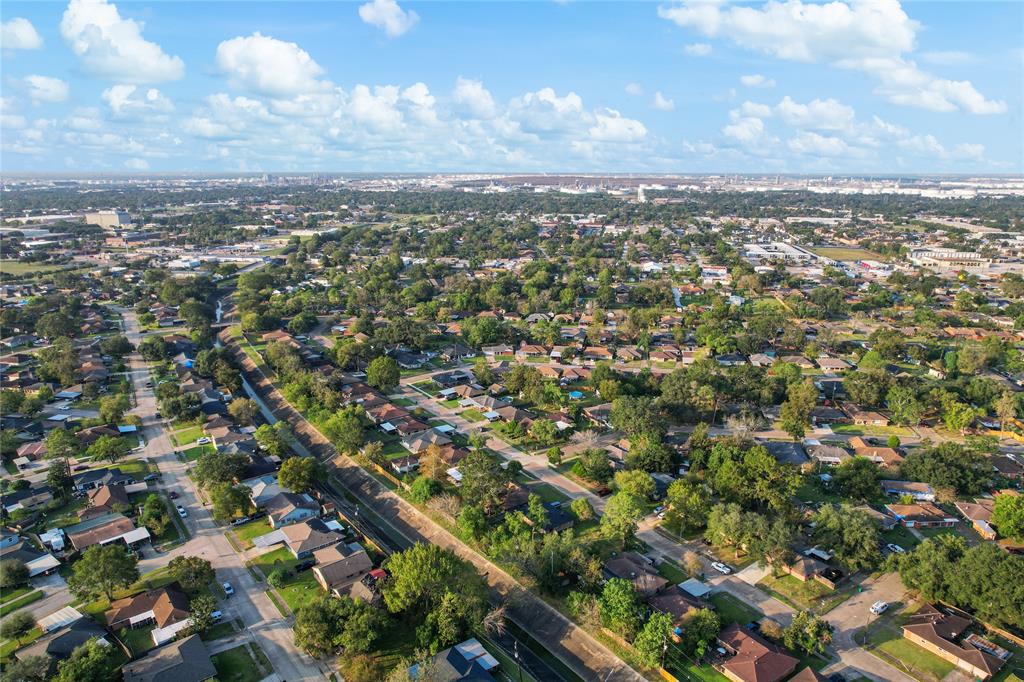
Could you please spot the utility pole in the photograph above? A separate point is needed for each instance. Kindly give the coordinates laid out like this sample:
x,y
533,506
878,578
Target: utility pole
x,y
519,666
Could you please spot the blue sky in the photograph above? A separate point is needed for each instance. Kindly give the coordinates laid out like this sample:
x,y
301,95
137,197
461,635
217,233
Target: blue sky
x,y
848,86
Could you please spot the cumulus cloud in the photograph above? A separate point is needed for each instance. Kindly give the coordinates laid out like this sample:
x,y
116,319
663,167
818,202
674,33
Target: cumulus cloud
x,y
634,89
130,100
19,34
269,66
388,16
113,47
44,89
697,49
744,129
872,37
818,114
472,97
612,126
756,80
662,103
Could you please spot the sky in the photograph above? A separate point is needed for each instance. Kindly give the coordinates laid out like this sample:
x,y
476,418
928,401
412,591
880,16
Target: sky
x,y
694,86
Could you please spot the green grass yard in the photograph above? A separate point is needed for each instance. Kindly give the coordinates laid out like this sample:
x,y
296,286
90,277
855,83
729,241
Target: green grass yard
x,y
299,590
245,663
195,452
247,531
732,610
866,430
139,640
885,640
473,415
187,435
805,595
13,605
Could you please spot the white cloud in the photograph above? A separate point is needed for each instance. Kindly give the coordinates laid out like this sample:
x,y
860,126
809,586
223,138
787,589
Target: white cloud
x,y
662,103
924,145
813,144
269,66
46,89
967,151
387,15
755,110
698,49
948,57
474,98
613,127
869,36
19,34
129,100
634,89
84,119
544,111
136,164
817,114
112,47
756,80
745,130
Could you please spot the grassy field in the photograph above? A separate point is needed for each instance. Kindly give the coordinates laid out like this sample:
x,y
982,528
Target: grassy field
x,y
186,436
855,430
673,573
299,590
245,663
139,640
195,452
810,595
847,253
885,640
17,268
279,558
8,647
732,610
473,415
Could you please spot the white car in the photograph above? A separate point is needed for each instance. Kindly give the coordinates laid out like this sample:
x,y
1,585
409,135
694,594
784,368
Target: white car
x,y
879,607
228,590
202,441
181,512
894,548
721,568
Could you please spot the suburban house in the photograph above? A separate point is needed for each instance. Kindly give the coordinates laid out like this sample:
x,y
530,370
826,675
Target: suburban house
x,y
102,530
262,489
466,661
106,499
632,567
166,608
939,632
979,513
287,508
99,477
922,492
309,536
341,566
828,455
751,658
186,660
59,643
921,515
677,604
37,563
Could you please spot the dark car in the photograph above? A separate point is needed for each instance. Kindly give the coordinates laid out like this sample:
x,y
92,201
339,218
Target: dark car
x,y
173,495
305,565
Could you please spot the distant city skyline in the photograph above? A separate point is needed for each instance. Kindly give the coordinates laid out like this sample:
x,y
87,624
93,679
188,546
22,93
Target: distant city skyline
x,y
857,87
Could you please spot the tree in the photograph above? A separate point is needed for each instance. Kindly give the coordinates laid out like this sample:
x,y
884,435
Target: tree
x,y
301,474
1008,516
116,346
948,465
154,514
482,480
688,503
544,431
202,607
801,398
345,431
472,521
857,478
61,443
113,407
620,608
58,477
699,630
110,448
423,488
17,625
593,465
648,453
867,387
482,371
153,348
555,456
101,570
422,574
192,572
622,513
638,483
383,373
1006,409
90,662
243,410
229,501
957,416
28,669
215,467
582,509
652,638
807,633
637,415
13,572
906,409
271,439
850,533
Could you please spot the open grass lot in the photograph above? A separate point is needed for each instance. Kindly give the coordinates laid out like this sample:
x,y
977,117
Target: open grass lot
x,y
403,402
17,268
299,590
187,435
473,415
732,610
245,663
223,629
247,531
846,254
855,430
805,595
885,640
450,404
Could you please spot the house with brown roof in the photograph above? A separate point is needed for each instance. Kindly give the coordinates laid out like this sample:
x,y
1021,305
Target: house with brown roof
x,y
106,499
677,604
632,567
340,567
922,492
979,513
103,530
921,515
166,608
751,658
939,632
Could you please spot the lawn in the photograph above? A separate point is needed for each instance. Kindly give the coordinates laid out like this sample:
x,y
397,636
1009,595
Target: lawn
x,y
548,493
15,604
223,629
9,646
245,663
673,573
885,640
812,491
473,415
186,436
403,402
18,269
279,558
429,387
139,640
732,610
299,590
804,595
450,404
899,535
846,253
247,531
867,430
8,595
193,453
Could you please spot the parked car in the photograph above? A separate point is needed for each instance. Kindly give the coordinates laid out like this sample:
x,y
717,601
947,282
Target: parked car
x,y
216,615
240,521
181,512
202,441
879,607
894,548
228,590
173,495
151,477
603,491
721,568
